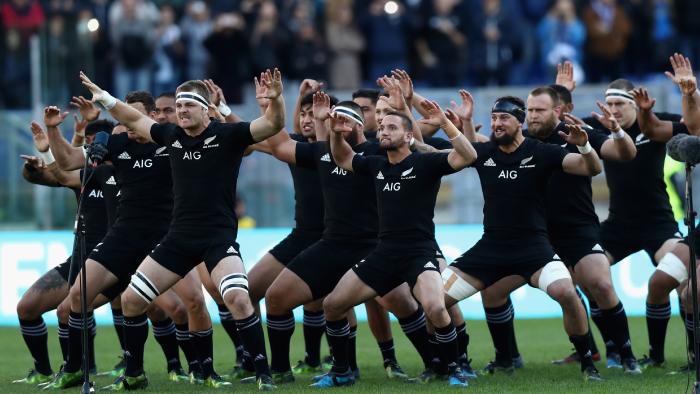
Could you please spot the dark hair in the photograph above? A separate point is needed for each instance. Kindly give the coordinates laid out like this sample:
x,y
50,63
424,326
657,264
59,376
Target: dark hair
x,y
309,99
166,94
563,93
546,90
622,84
352,105
405,120
194,86
372,94
99,125
143,97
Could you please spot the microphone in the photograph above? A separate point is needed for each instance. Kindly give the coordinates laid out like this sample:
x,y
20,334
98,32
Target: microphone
x,y
684,148
98,149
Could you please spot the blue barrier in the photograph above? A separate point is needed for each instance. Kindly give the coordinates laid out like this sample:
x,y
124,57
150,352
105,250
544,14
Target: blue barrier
x,y
26,255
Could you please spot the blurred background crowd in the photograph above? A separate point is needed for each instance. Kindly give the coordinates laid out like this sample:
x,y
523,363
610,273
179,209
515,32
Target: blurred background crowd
x,y
154,44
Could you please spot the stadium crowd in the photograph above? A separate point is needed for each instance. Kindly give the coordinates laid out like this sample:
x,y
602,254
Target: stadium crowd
x,y
153,44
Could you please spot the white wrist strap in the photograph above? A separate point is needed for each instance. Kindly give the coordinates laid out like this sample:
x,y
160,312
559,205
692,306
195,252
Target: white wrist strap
x,y
586,149
106,99
412,142
618,134
224,109
47,157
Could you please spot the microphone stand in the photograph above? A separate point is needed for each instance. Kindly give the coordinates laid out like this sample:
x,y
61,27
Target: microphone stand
x,y
690,222
80,232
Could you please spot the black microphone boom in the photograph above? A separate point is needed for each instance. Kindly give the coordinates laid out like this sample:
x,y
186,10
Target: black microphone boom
x,y
684,148
98,149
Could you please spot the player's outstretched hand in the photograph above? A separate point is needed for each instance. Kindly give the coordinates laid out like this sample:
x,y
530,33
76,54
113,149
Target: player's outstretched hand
x,y
321,106
577,135
606,119
565,75
53,116
41,141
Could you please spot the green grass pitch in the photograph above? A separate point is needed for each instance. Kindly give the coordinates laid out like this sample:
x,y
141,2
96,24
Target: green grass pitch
x,y
539,340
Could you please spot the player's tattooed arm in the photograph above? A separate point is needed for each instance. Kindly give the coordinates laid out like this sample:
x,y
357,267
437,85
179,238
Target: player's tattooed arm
x,y
340,149
123,113
462,153
585,163
618,148
272,120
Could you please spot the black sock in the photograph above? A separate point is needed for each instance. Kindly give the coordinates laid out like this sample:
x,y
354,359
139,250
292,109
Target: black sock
x,y
514,351
500,323
583,348
618,329
352,348
229,325
388,352
118,321
601,323
75,342
135,336
657,322
63,332
462,341
447,342
314,326
437,364
182,334
203,342
36,336
164,333
91,339
280,329
253,339
414,327
337,333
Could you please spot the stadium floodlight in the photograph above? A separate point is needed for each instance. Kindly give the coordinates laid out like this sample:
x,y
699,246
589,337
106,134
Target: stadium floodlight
x,y
93,25
391,7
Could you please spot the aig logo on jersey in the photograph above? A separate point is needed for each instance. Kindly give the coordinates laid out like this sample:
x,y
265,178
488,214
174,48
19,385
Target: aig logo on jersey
x,y
339,171
508,174
143,163
208,143
95,194
196,155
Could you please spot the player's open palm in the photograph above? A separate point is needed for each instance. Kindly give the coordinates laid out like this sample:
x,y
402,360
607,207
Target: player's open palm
x,y
96,91
41,141
576,135
53,116
436,116
88,110
607,119
340,123
321,106
272,81
681,68
642,99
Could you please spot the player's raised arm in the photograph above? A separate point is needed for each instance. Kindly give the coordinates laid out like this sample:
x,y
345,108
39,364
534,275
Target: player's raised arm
x,y
685,79
585,163
272,120
650,124
67,157
122,112
463,153
340,149
620,146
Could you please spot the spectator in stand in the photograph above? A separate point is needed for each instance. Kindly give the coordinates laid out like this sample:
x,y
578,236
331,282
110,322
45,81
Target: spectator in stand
x,y
133,33
231,73
663,35
608,30
493,40
388,34
196,26
443,42
638,60
307,55
346,43
561,36
170,52
57,50
687,18
269,40
20,20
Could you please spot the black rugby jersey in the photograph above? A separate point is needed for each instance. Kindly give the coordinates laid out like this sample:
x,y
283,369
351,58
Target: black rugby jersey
x,y
405,192
515,185
204,173
637,188
348,199
308,198
143,174
569,200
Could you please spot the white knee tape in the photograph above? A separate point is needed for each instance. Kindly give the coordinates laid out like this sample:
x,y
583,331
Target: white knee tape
x,y
144,287
455,286
233,282
552,272
673,266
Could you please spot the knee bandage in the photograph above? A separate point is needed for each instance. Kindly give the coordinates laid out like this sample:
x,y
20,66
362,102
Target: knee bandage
x,y
455,286
673,266
552,272
144,287
233,282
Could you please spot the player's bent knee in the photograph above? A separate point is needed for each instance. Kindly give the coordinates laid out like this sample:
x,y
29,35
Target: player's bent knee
x,y
671,265
552,272
436,313
456,287
27,308
332,307
63,312
142,291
